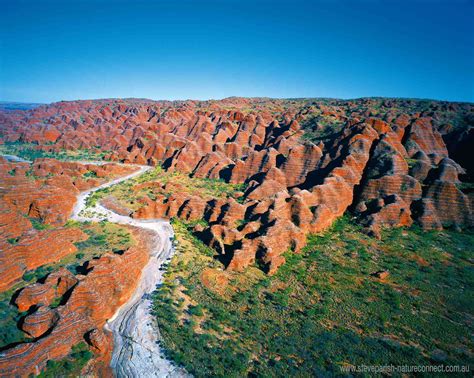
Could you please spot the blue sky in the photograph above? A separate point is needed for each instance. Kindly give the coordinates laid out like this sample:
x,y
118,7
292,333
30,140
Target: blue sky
x,y
66,50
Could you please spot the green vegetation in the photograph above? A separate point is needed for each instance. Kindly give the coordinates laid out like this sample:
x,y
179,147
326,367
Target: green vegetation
x,y
202,222
13,241
35,274
9,317
466,187
39,225
150,184
90,174
324,308
29,151
103,237
70,366
320,128
411,162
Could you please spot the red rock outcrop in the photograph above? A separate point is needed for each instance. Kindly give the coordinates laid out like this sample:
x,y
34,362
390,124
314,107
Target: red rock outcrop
x,y
87,301
45,191
34,250
304,162
40,322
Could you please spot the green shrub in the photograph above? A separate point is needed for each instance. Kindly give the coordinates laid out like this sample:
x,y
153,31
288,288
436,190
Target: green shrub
x,y
9,318
38,273
90,174
70,366
195,310
13,241
38,224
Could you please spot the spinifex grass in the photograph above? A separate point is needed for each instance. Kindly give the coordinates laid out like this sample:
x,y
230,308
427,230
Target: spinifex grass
x,y
323,308
29,151
149,184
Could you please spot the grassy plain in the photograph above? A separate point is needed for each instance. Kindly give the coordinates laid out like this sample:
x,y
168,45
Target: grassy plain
x,y
324,308
29,151
158,182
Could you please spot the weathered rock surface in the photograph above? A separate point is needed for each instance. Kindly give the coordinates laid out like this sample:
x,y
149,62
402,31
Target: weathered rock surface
x,y
44,191
304,162
87,301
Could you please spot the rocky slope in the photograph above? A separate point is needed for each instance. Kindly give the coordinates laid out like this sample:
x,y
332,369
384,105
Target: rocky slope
x,y
304,163
87,301
61,309
44,193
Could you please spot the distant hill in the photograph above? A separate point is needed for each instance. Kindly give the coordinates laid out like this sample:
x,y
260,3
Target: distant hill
x,y
5,105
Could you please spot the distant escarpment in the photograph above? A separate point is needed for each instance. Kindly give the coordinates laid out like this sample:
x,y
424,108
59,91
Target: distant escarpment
x,y
301,163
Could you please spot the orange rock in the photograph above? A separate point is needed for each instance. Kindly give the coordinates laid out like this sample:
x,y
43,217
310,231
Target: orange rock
x,y
40,321
392,162
301,160
34,250
381,274
215,280
82,314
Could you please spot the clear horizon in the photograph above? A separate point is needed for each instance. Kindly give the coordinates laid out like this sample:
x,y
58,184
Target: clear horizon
x,y
56,51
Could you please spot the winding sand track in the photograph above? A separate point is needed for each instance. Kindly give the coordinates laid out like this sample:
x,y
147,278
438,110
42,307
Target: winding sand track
x,y
136,337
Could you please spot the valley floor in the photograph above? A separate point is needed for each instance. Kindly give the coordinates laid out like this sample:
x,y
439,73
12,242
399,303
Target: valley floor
x,y
325,309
